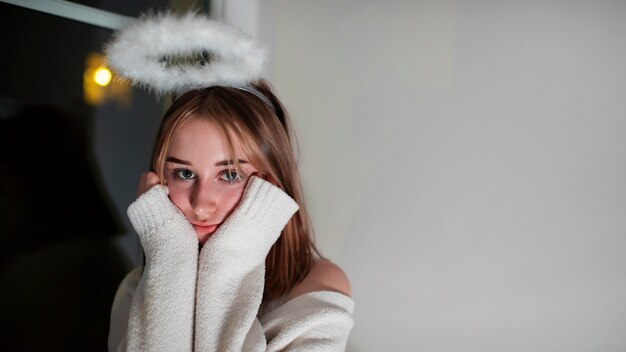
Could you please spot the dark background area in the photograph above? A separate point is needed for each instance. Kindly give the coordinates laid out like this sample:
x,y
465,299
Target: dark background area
x,y
68,170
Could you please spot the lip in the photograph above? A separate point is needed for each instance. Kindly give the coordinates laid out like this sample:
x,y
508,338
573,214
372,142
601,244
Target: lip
x,y
204,229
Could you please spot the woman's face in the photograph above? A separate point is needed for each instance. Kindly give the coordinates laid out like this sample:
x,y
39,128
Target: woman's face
x,y
201,177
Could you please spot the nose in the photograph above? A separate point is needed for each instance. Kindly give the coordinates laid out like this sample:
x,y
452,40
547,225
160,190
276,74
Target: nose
x,y
204,200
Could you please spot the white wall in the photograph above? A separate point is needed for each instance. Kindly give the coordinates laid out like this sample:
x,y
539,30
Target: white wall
x,y
465,164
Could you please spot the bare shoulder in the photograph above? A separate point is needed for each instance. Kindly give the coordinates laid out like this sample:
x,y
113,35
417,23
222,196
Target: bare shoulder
x,y
323,276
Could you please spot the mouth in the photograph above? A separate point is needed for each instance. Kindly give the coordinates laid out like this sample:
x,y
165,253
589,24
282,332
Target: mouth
x,y
205,229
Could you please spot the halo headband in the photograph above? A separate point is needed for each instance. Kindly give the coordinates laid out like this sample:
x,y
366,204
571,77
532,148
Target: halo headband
x,y
258,94
169,53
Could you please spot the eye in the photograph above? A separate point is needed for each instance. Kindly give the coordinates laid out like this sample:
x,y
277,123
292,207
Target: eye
x,y
231,176
184,174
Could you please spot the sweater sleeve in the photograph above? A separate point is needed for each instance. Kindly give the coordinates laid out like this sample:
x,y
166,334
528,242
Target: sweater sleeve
x,y
316,321
230,287
231,270
160,310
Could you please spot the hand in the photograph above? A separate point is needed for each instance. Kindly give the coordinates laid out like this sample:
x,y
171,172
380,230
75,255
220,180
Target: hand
x,y
146,181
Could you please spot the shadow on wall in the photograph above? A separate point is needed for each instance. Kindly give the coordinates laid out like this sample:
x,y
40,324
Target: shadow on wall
x,y
60,265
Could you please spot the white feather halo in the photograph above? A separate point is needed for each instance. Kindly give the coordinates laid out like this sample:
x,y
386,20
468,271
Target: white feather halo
x,y
141,53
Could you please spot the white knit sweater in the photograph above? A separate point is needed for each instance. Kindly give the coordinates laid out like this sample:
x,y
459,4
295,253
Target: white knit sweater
x,y
183,300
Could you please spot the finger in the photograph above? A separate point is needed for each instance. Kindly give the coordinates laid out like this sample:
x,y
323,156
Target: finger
x,y
152,179
146,181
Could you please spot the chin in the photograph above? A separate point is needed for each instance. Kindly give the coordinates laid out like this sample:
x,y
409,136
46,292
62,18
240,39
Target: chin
x,y
203,237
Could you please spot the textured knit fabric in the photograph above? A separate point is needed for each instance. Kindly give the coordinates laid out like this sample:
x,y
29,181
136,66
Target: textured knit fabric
x,y
208,301
158,317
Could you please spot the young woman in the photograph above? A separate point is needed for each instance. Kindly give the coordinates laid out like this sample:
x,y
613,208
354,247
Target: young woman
x,y
230,262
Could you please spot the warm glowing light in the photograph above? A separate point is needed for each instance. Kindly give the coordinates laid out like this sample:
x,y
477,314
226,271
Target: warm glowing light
x,y
99,85
102,76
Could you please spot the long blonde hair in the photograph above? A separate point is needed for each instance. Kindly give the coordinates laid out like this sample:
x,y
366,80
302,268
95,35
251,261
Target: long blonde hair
x,y
266,136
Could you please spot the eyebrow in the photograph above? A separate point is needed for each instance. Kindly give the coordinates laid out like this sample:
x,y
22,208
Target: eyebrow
x,y
230,162
219,163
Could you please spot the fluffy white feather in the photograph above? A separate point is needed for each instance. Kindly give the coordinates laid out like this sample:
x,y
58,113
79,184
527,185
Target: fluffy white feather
x,y
136,53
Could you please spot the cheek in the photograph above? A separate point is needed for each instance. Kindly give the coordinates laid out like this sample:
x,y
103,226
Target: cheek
x,y
231,199
179,196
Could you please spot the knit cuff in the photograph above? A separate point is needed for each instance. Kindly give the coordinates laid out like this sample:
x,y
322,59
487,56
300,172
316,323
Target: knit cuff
x,y
265,205
250,231
151,209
